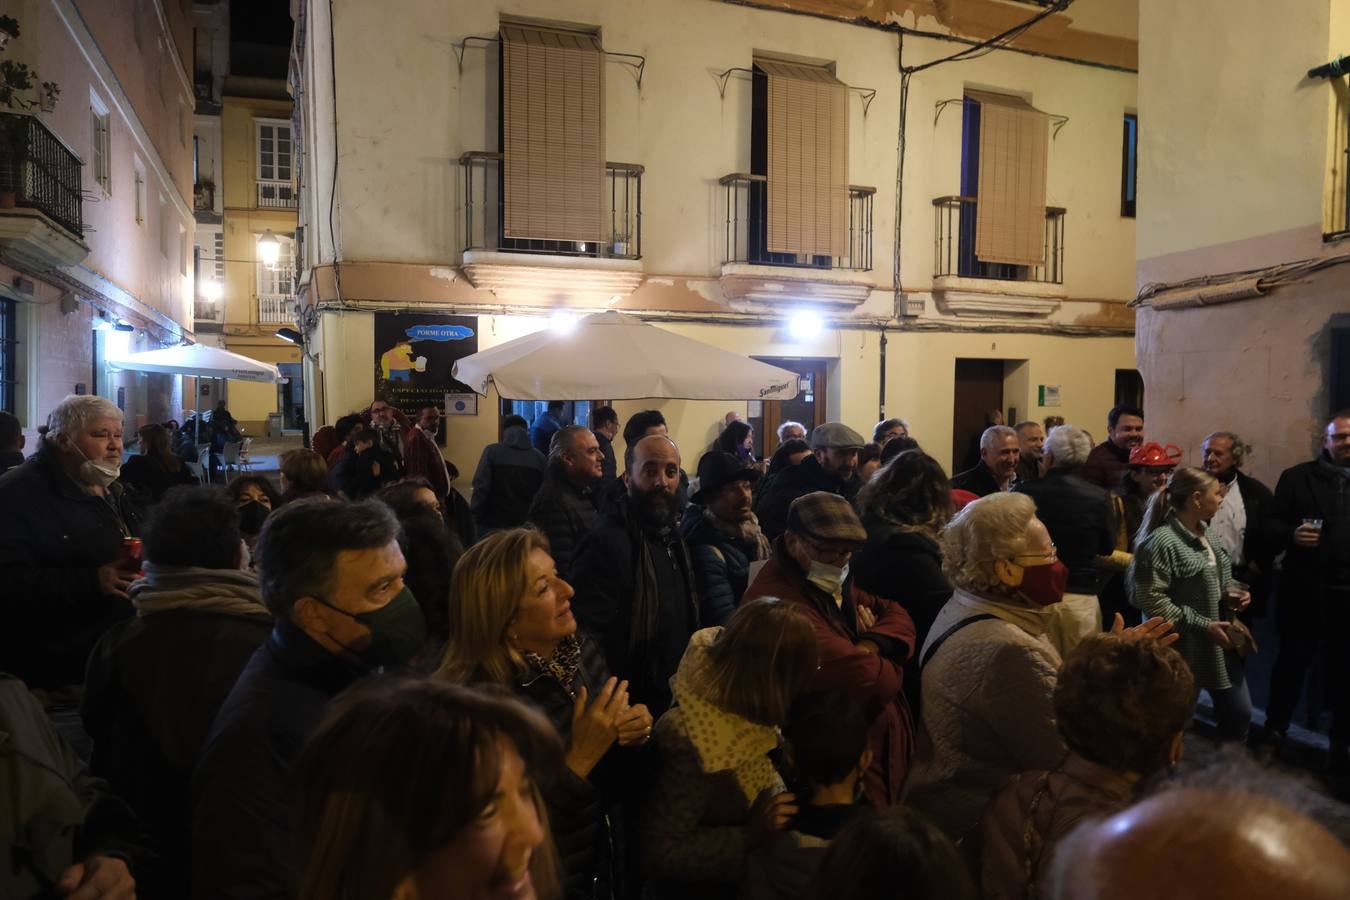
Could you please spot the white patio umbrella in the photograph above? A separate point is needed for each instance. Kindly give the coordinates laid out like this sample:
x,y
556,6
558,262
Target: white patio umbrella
x,y
200,361
612,356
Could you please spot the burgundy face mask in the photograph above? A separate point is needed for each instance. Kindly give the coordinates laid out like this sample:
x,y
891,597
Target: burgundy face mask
x,y
1044,585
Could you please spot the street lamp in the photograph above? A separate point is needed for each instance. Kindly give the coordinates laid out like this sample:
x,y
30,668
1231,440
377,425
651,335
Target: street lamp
x,y
269,249
212,290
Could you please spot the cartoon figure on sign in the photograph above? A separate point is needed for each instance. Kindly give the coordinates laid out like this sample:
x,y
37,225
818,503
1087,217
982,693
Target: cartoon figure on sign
x,y
398,363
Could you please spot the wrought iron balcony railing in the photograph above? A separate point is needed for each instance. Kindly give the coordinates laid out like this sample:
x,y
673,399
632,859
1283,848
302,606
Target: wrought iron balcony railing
x,y
274,194
746,227
483,200
954,245
40,171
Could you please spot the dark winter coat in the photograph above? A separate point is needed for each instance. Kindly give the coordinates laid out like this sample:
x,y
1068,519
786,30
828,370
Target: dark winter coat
x,y
1310,490
1081,522
721,566
10,459
241,789
53,538
509,474
565,513
1105,465
609,466
875,677
422,459
781,867
360,475
978,480
1258,542
151,475
154,685
459,518
808,476
55,813
583,813
635,592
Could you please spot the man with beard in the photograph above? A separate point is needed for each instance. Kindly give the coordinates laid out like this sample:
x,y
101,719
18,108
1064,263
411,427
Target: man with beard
x,y
1031,436
723,535
829,468
1311,522
633,577
1108,460
390,425
421,457
997,469
1242,519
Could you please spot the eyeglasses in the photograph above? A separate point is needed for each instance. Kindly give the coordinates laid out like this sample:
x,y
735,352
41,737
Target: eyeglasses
x,y
1045,559
828,552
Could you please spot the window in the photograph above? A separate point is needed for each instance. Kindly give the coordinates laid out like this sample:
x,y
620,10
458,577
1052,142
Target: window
x,y
279,281
1129,165
9,353
274,151
100,122
140,193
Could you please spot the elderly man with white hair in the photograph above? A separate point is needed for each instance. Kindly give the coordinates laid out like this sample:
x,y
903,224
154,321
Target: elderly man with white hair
x,y
1081,522
997,469
61,545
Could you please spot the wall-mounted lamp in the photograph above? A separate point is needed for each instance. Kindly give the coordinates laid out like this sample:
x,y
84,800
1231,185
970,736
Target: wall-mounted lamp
x,y
290,334
212,290
269,249
805,325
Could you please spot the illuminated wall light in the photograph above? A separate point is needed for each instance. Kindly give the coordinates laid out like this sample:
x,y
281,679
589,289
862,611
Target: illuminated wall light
x,y
805,325
212,290
563,322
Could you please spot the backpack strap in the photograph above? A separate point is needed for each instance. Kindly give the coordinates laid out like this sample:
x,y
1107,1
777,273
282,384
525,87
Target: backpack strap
x,y
942,639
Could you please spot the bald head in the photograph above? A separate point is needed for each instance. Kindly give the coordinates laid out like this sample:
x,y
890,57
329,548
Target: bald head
x,y
653,477
1201,843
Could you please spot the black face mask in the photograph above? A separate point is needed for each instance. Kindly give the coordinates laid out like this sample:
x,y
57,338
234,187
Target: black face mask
x,y
251,516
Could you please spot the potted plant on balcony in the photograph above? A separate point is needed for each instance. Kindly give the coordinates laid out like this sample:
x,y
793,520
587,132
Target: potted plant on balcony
x,y
15,78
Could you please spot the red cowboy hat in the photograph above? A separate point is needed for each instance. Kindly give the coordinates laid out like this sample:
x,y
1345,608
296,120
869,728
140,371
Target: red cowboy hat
x,y
1156,456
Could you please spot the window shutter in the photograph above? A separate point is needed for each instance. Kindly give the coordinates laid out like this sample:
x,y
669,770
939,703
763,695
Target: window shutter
x,y
808,160
552,134
1010,208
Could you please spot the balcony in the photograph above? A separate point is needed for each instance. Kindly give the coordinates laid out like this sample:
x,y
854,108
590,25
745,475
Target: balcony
x,y
276,309
276,194
537,271
966,284
40,200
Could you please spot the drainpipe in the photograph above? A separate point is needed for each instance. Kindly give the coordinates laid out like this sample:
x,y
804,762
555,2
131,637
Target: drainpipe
x,y
881,393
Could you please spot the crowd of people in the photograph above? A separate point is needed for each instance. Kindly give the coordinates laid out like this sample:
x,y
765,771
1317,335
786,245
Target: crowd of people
x,y
837,672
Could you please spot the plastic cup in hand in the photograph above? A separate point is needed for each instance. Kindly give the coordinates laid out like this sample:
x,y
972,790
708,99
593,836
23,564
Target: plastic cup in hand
x,y
1233,593
1314,524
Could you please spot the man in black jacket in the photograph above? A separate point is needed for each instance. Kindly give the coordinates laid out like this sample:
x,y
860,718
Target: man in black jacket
x,y
11,442
332,575
1311,522
605,427
997,469
1081,523
633,578
564,508
156,681
61,545
830,468
1242,522
722,534
508,476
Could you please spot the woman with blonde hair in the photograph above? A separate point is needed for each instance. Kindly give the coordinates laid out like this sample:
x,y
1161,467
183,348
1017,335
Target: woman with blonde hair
x,y
989,670
717,794
1178,573
304,473
417,790
511,625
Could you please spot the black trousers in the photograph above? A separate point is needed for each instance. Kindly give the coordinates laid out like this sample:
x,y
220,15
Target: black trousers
x,y
1302,634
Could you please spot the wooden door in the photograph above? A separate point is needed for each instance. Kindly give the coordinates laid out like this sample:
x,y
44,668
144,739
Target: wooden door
x,y
979,388
808,407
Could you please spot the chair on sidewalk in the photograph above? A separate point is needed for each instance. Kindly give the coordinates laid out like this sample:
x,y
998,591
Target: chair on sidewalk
x,y
229,458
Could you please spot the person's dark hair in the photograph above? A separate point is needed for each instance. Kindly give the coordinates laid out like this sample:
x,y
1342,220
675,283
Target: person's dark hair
x,y
602,416
826,734
344,426
731,438
565,440
431,551
885,425
235,489
911,491
762,660
779,461
1124,409
193,526
556,406
452,470
897,445
893,854
157,446
305,470
514,421
297,550
870,451
1339,414
639,422
401,496
1121,702
364,434
396,771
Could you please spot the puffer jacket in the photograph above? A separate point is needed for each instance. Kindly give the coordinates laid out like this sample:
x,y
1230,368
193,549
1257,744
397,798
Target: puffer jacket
x,y
721,564
1033,813
508,476
564,513
713,765
53,538
584,813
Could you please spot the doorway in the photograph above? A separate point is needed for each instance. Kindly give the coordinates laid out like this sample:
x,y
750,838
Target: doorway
x,y
291,396
808,407
979,389
1129,388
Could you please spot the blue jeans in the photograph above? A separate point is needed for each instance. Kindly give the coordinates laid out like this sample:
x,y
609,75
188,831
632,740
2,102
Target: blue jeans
x,y
1233,706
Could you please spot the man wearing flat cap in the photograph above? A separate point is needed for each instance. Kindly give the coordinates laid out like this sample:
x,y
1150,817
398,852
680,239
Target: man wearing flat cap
x,y
722,534
863,643
829,468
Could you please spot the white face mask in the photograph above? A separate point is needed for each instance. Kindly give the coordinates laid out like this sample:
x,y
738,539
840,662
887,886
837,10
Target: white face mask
x,y
97,473
828,578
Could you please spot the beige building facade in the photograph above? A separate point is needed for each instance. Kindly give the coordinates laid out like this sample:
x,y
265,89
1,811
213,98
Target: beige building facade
x,y
913,325
96,225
